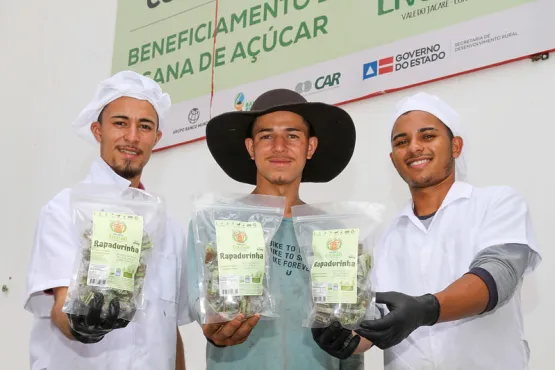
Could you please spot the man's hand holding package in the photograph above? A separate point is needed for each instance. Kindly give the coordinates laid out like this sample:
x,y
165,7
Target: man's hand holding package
x,y
230,333
336,340
407,313
92,327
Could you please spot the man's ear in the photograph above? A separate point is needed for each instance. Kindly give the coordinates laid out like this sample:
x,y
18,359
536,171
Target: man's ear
x,y
457,146
392,161
95,129
249,143
312,145
158,137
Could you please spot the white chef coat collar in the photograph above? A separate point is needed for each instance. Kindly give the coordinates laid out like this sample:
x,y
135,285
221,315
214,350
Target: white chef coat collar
x,y
459,190
101,173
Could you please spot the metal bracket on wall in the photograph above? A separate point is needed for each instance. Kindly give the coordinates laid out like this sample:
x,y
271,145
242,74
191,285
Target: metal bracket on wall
x,y
541,56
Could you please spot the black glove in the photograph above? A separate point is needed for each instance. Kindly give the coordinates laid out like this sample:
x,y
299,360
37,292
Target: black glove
x,y
92,327
406,314
336,340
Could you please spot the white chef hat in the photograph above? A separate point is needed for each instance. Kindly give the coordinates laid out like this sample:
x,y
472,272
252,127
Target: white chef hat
x,y
124,83
432,104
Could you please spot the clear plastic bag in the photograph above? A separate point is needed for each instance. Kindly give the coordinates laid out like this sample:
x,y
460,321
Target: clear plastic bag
x,y
117,229
336,240
232,234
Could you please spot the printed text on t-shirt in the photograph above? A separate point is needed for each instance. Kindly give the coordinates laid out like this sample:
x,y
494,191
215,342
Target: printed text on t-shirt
x,y
287,256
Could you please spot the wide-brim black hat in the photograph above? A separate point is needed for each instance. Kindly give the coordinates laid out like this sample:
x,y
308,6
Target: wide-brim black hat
x,y
334,128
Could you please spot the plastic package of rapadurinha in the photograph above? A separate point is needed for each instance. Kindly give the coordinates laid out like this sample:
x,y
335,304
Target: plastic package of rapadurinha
x,y
117,229
232,234
336,240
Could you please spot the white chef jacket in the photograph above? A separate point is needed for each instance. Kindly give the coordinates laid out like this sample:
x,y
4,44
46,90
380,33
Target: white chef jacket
x,y
414,260
146,344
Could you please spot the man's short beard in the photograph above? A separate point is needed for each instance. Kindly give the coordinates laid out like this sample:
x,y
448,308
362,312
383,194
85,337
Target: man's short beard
x,y
126,171
280,180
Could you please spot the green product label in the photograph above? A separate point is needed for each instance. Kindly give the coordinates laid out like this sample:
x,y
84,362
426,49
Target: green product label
x,y
115,250
241,257
334,271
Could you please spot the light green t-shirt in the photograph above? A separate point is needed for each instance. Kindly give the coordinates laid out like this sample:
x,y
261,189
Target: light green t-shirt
x,y
281,343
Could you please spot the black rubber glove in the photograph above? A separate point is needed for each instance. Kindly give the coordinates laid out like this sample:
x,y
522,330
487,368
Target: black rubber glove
x,y
92,327
407,313
336,340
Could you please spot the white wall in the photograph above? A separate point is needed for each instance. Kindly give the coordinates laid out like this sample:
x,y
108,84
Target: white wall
x,y
54,53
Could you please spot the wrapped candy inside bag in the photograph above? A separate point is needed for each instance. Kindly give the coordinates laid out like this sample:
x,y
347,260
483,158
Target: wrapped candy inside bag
x,y
117,229
336,243
228,305
232,234
348,314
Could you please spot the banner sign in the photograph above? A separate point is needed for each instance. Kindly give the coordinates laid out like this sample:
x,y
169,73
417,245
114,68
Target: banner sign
x,y
217,56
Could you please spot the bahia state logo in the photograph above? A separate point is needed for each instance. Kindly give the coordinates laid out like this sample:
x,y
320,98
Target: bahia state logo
x,y
334,244
239,236
118,226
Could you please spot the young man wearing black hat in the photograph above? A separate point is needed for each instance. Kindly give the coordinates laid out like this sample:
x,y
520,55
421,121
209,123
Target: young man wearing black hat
x,y
280,143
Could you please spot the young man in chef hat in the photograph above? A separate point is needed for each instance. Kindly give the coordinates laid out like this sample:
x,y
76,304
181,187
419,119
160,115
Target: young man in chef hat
x,y
126,119
450,266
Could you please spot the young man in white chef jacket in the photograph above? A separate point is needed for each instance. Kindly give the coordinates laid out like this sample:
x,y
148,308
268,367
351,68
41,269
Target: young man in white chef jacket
x,y
126,117
449,268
